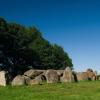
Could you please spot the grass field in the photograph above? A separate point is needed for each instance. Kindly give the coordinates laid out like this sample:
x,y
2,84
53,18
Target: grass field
x,y
60,91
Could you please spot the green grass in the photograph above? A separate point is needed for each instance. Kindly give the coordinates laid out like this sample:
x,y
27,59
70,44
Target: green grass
x,y
60,91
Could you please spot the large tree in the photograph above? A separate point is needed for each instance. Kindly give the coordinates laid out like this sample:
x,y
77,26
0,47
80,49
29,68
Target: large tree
x,y
24,47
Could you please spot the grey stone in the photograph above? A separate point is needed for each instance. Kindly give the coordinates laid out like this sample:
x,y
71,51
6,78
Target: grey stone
x,y
91,74
18,80
52,76
32,73
67,75
82,76
3,78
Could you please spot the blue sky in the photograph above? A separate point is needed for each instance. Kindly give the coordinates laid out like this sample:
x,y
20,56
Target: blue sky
x,y
73,24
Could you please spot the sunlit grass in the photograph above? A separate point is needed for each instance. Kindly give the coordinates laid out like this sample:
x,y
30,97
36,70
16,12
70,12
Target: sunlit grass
x,y
60,91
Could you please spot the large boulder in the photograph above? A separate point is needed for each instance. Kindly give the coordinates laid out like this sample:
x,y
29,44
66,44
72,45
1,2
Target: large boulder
x,y
37,80
91,74
3,78
18,80
67,75
32,73
82,76
51,76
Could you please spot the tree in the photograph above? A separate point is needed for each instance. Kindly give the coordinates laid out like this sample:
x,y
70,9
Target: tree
x,y
60,58
22,47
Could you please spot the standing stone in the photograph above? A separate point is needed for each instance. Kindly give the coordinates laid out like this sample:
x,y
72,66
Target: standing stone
x,y
52,76
3,78
67,75
18,80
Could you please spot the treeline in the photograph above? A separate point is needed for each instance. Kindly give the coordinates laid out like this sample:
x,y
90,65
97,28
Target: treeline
x,y
22,48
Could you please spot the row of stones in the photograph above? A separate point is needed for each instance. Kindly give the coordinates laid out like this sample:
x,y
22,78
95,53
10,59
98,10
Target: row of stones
x,y
32,77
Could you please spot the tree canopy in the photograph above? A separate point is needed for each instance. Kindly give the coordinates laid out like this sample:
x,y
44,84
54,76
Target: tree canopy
x,y
22,48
